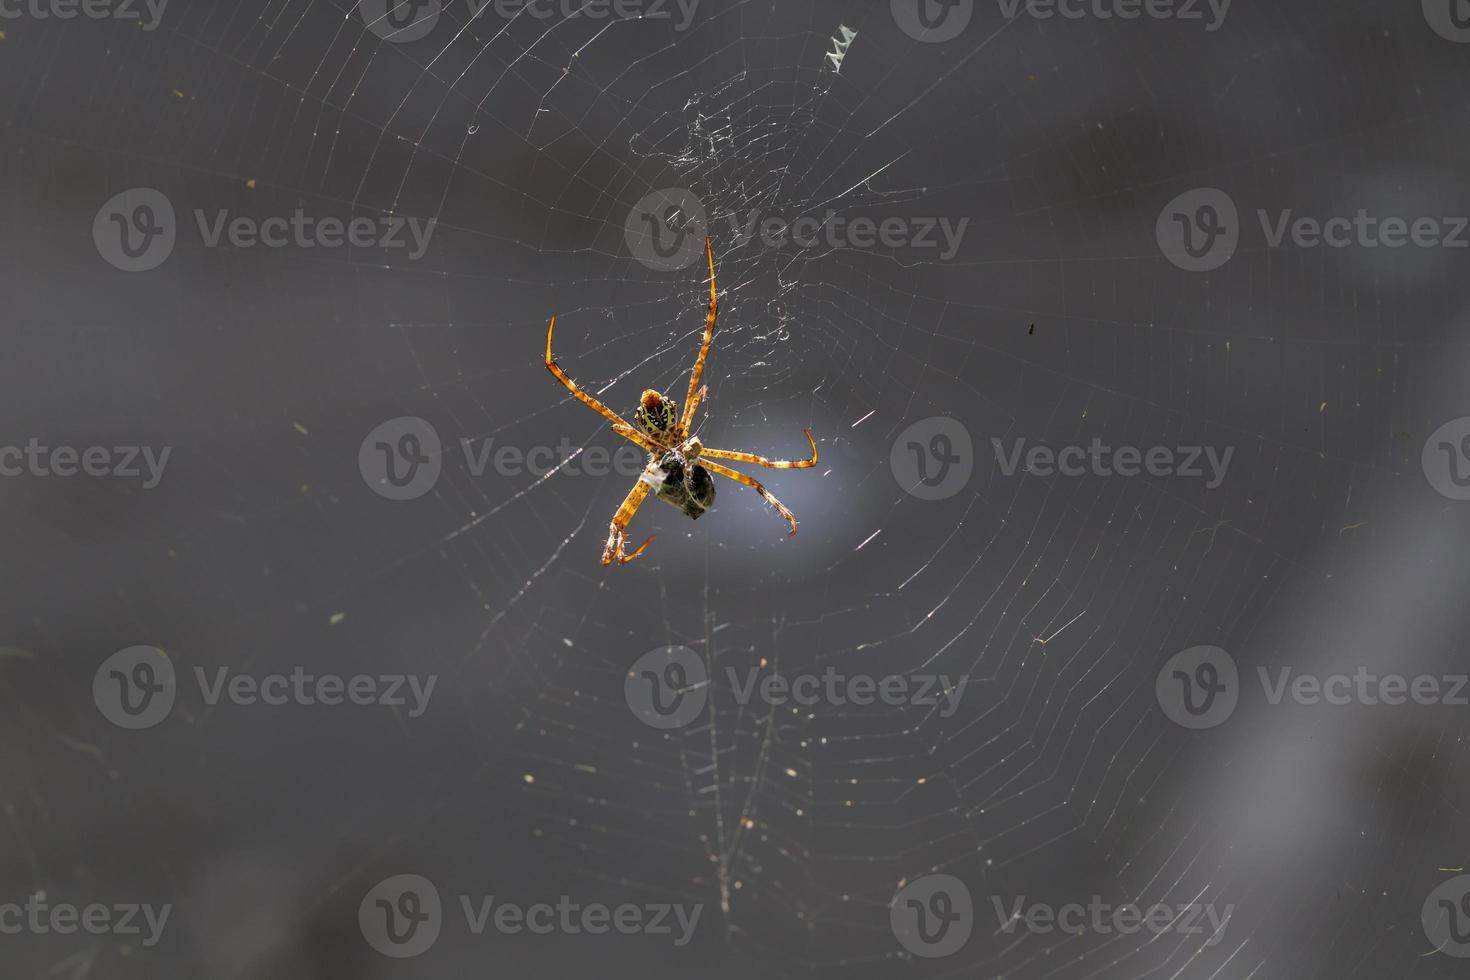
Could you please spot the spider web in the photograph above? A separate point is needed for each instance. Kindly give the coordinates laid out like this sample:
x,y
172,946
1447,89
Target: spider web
x,y
529,141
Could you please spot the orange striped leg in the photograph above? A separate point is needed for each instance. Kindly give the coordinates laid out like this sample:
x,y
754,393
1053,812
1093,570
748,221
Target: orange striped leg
x,y
620,425
634,436
618,531
752,483
709,331
699,397
770,464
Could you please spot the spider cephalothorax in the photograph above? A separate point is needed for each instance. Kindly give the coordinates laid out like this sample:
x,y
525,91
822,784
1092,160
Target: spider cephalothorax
x,y
656,414
679,468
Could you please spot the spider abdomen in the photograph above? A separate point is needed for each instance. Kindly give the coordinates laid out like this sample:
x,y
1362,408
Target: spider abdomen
x,y
690,488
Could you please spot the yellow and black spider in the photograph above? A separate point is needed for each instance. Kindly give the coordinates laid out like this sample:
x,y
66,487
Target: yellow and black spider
x,y
678,470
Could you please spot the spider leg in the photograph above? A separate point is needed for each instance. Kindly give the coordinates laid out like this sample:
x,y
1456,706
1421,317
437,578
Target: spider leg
x,y
617,535
634,436
709,332
695,402
770,464
576,393
755,485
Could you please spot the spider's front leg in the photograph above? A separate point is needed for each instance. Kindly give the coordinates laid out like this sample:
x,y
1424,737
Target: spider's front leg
x,y
617,535
694,403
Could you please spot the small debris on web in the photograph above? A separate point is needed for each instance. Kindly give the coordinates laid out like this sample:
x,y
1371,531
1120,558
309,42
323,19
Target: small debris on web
x,y
841,41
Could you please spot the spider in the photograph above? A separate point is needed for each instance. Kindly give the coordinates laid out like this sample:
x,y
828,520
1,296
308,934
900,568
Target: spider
x,y
679,467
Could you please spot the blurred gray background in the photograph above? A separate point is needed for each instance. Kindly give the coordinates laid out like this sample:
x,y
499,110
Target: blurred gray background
x,y
263,548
